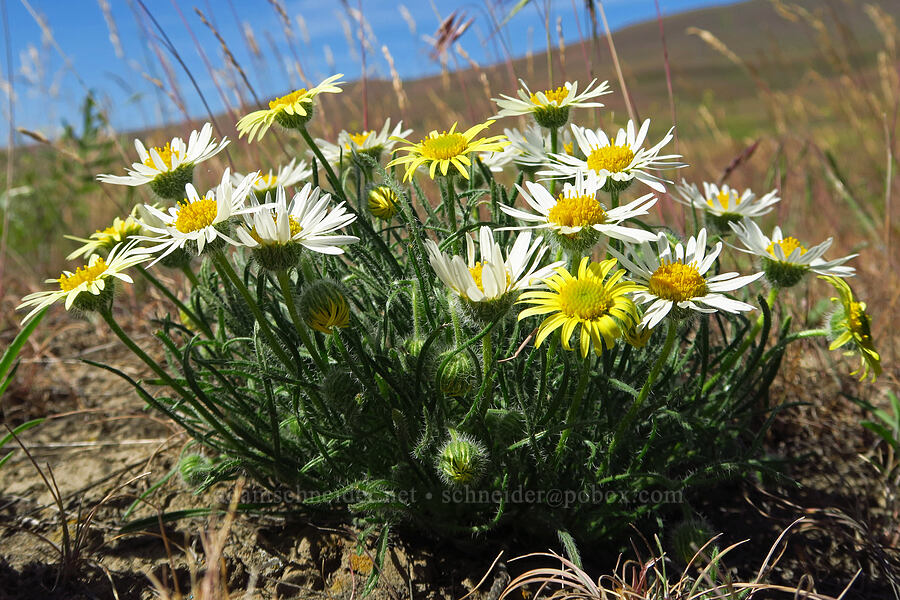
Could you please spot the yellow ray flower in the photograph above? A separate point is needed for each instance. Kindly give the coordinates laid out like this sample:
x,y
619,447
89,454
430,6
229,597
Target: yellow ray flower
x,y
601,306
450,148
851,324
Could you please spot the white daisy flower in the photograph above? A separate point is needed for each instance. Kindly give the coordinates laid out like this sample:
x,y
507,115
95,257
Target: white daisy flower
x,y
497,161
784,260
617,162
531,147
90,287
576,217
287,175
371,143
491,284
674,279
550,108
309,220
170,168
202,220
723,205
291,111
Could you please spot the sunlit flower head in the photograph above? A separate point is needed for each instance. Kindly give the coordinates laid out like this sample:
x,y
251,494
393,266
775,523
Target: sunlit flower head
x,y
594,299
382,202
286,176
291,111
310,220
373,143
89,287
785,260
497,161
169,168
851,324
674,279
550,108
531,148
617,162
107,238
725,204
370,143
576,218
197,220
447,149
495,279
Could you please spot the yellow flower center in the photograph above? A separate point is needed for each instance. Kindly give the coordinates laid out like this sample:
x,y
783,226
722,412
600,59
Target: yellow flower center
x,y
724,200
359,138
165,154
614,159
444,146
476,275
288,100
857,319
85,274
569,148
788,245
194,216
585,299
267,180
677,281
577,211
557,96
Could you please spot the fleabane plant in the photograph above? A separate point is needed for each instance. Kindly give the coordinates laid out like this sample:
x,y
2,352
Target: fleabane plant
x,y
576,218
488,287
383,348
200,222
167,169
617,161
723,205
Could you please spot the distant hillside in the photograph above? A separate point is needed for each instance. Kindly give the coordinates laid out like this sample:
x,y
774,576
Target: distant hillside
x,y
782,50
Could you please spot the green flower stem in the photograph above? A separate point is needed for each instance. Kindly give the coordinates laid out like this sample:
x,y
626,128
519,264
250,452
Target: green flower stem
x,y
416,311
225,267
614,198
454,317
306,268
332,177
287,291
192,277
554,149
363,223
632,413
174,299
807,334
731,359
154,366
214,421
487,353
575,405
450,208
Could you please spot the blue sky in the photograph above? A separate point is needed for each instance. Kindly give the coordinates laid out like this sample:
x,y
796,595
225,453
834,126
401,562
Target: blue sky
x,y
51,78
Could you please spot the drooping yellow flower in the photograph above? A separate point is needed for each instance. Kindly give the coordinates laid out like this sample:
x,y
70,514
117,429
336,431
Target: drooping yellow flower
x,y
383,202
324,306
450,148
291,111
601,306
89,287
107,238
850,324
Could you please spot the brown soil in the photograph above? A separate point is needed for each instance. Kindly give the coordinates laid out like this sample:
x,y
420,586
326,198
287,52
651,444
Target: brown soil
x,y
98,438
